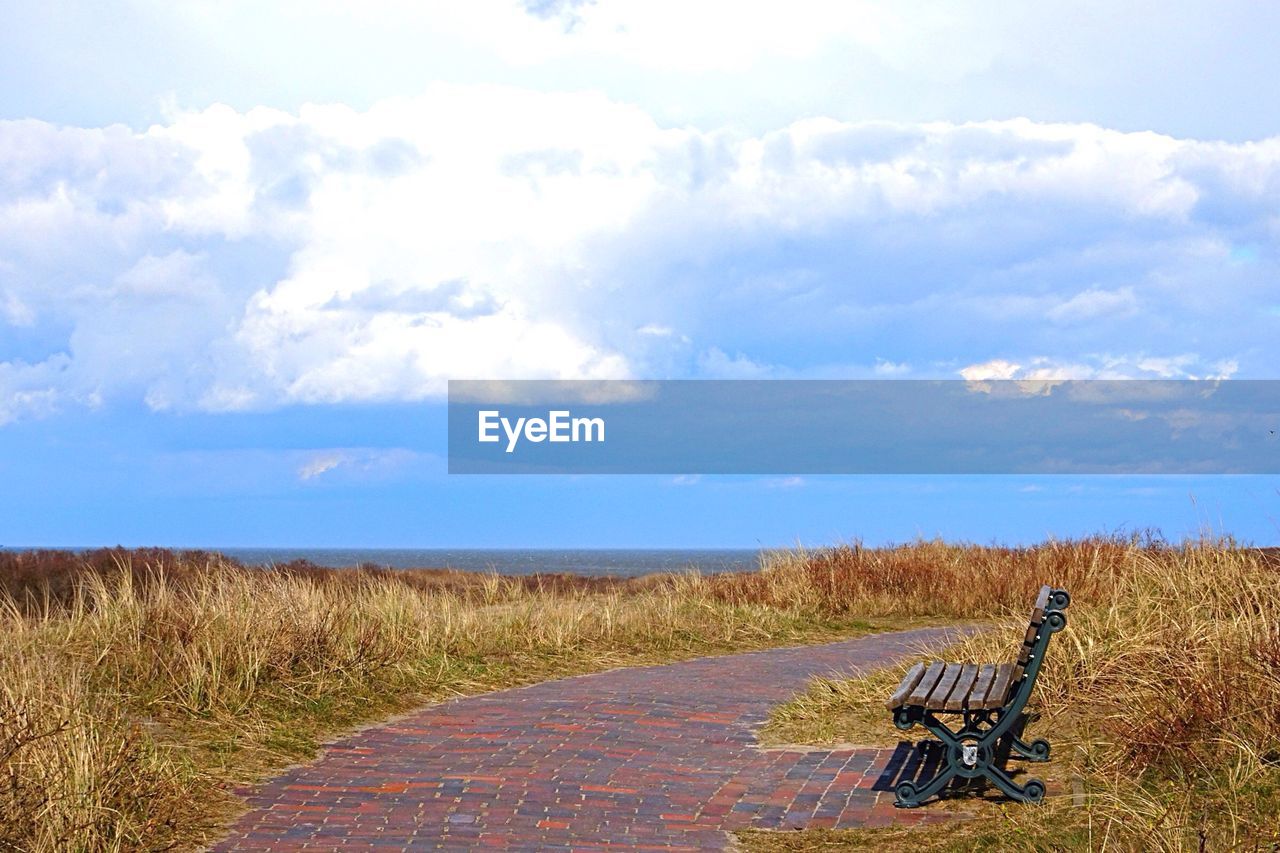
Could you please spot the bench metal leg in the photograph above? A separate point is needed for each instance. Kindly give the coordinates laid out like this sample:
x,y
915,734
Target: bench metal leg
x,y
973,753
909,796
1031,792
1037,750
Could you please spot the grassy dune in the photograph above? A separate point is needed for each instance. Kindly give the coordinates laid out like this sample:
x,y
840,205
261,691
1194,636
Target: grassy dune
x,y
137,687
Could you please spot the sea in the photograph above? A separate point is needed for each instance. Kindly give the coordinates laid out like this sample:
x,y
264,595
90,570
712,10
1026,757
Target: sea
x,y
617,562
622,562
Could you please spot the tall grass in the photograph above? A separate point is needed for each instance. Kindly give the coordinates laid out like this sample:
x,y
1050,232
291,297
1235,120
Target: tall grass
x,y
1171,686
935,578
137,687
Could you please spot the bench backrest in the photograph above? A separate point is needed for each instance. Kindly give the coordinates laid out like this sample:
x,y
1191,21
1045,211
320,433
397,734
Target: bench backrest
x,y
1047,619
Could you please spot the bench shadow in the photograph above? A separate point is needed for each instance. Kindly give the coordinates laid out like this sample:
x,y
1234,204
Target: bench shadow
x,y
920,761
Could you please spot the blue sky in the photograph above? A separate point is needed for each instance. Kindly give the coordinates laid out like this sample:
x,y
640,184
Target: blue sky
x,y
242,249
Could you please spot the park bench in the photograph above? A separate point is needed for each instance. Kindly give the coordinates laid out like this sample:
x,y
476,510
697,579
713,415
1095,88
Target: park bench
x,y
988,699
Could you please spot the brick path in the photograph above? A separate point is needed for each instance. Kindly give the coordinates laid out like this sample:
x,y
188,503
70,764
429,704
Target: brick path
x,y
661,757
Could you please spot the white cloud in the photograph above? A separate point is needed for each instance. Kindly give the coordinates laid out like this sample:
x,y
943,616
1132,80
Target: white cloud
x,y
232,260
1187,367
1094,303
30,390
997,368
360,462
890,368
785,482
717,364
655,330
176,274
16,312
1042,369
320,464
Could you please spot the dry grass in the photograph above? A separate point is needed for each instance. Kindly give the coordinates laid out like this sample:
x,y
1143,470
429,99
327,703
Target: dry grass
x,y
135,687
1163,695
841,710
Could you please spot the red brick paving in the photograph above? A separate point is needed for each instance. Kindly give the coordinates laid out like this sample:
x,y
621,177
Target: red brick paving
x,y
658,758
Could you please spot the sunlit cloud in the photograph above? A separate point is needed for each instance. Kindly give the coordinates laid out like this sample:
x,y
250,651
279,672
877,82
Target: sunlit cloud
x,y
240,260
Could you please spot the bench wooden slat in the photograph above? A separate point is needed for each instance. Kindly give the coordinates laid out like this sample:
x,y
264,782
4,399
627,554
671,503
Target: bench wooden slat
x,y
999,687
981,686
909,682
968,674
926,683
942,686
1041,605
938,698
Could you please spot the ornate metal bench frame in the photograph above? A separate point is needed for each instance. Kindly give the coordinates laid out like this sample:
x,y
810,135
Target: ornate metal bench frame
x,y
987,735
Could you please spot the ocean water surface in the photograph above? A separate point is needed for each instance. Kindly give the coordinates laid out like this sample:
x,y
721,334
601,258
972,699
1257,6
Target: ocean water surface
x,y
618,562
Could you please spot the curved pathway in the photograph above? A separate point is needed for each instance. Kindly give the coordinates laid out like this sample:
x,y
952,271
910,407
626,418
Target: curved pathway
x,y
659,757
